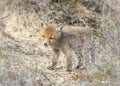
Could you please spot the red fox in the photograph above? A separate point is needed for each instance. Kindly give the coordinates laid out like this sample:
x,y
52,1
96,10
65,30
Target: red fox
x,y
71,38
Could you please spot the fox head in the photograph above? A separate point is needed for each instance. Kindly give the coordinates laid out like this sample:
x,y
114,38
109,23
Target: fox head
x,y
49,35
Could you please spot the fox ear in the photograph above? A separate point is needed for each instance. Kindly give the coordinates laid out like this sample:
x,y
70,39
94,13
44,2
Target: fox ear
x,y
43,24
60,27
59,34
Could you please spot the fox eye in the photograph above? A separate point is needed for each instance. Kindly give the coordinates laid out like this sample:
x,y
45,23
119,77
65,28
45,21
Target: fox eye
x,y
43,36
52,38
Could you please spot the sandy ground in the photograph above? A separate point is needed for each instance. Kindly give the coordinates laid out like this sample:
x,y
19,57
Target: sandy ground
x,y
23,60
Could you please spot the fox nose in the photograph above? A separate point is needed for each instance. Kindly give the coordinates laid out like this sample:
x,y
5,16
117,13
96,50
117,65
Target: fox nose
x,y
45,44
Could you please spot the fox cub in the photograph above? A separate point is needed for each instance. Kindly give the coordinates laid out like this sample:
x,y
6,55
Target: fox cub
x,y
72,38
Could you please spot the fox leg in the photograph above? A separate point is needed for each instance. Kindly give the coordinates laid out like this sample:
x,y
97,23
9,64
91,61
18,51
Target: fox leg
x,y
69,60
69,63
85,52
79,60
54,59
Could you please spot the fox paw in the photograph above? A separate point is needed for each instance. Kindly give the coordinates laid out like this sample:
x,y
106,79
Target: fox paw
x,y
79,66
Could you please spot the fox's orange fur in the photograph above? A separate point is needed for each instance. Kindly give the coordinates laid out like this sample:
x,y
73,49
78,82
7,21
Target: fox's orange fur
x,y
71,38
49,34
